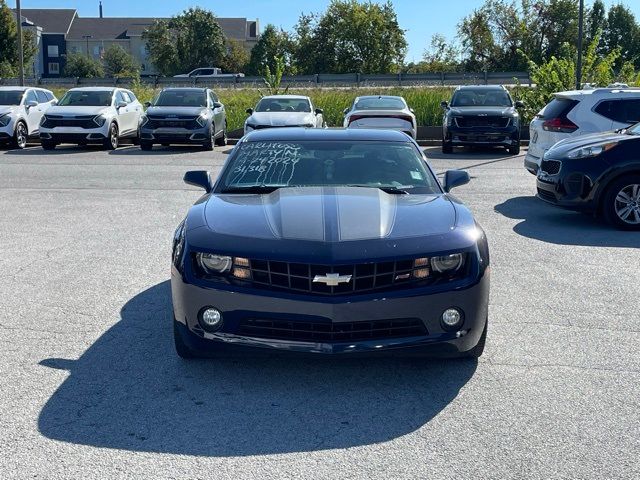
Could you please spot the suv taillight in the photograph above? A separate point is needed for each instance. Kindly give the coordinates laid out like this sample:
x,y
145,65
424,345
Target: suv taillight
x,y
406,118
563,125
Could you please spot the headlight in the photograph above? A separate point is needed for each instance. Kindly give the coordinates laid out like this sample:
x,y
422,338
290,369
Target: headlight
x,y
4,120
449,120
42,120
447,263
212,263
99,120
178,245
202,119
591,151
143,120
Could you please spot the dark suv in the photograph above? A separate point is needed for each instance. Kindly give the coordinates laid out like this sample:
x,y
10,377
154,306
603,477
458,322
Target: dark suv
x,y
481,115
184,115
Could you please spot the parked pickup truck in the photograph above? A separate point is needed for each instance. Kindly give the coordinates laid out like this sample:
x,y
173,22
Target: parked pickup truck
x,y
208,72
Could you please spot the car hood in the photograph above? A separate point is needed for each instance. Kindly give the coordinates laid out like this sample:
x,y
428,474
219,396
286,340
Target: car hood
x,y
179,111
4,109
328,224
564,146
480,110
281,119
74,110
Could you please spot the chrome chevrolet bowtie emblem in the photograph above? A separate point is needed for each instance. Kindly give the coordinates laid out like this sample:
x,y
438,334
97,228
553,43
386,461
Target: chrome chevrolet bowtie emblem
x,y
332,279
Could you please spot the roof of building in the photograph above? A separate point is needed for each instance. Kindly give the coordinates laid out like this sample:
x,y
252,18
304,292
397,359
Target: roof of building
x,y
52,20
108,27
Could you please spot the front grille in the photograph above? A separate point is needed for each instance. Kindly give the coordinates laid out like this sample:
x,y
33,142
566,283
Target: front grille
x,y
81,121
550,167
356,278
327,332
488,121
546,195
188,122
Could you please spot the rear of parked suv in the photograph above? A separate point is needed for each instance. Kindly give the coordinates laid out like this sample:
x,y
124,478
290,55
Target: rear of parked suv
x,y
581,112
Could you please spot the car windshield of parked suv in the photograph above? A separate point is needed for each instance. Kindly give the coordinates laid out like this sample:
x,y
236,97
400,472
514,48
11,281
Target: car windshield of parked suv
x,y
283,105
634,129
79,98
379,103
481,98
277,164
10,97
181,98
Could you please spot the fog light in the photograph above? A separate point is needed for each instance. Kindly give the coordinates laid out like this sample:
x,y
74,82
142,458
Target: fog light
x,y
210,319
452,318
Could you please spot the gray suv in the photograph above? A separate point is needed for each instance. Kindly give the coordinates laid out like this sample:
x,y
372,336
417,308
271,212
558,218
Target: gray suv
x,y
184,116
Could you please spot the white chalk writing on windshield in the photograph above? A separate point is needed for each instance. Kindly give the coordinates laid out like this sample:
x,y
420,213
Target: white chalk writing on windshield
x,y
265,163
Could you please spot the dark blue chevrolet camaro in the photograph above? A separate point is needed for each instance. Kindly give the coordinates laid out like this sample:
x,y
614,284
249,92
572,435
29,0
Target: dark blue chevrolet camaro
x,y
335,242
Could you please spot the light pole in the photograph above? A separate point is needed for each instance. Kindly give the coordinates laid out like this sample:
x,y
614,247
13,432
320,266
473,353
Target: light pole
x,y
87,37
20,53
580,34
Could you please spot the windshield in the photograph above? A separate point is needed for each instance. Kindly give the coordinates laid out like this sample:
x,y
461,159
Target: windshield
x,y
78,98
394,165
181,98
481,98
380,103
10,97
283,105
634,129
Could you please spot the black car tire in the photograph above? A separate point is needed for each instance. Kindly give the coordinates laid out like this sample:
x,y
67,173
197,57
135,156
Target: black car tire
x,y
146,146
610,203
208,144
20,135
136,140
222,140
48,145
113,139
182,349
514,150
166,144
476,352
447,147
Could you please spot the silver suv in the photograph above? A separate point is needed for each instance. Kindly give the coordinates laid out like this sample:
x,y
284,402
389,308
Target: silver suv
x,y
21,109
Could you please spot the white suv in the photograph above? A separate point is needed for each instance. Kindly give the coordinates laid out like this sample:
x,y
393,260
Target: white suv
x,y
21,109
580,112
92,115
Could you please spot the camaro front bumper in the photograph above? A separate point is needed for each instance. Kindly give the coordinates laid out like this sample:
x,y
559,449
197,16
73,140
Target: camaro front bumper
x,y
238,306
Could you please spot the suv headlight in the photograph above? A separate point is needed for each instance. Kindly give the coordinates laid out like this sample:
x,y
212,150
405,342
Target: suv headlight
x,y
5,119
143,120
214,264
99,120
591,150
202,119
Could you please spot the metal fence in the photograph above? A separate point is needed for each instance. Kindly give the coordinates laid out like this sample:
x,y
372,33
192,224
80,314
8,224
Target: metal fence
x,y
347,80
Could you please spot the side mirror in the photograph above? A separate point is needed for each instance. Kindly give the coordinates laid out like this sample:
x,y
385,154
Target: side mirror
x,y
32,103
444,105
319,111
147,104
217,105
198,178
412,110
121,104
520,104
54,103
455,178
250,111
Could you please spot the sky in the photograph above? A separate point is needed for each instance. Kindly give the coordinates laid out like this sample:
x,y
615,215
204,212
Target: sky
x,y
420,18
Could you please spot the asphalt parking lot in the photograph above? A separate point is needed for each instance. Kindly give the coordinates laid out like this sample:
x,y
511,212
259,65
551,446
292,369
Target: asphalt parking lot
x,y
91,387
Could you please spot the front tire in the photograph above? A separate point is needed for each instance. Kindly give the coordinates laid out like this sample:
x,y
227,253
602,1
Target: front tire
x,y
146,146
48,145
514,149
20,136
447,147
621,203
222,141
112,140
208,144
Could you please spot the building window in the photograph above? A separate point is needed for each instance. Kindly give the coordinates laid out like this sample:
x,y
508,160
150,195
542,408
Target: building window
x,y
54,68
96,51
52,51
74,49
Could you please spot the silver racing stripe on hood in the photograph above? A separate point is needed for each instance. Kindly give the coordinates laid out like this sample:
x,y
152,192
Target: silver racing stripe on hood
x,y
366,213
297,217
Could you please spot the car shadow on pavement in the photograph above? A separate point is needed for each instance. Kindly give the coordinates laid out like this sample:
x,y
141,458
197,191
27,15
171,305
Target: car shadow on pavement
x,y
130,391
157,150
468,154
36,150
554,225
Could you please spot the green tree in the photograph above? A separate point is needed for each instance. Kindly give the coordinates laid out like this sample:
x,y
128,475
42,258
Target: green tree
x,y
352,37
273,43
236,58
9,62
79,65
478,43
623,32
119,63
441,56
595,21
187,41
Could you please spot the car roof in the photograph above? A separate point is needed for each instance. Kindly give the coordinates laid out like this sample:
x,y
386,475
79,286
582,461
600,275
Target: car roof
x,y
481,87
326,134
13,89
381,96
94,89
186,89
288,97
599,92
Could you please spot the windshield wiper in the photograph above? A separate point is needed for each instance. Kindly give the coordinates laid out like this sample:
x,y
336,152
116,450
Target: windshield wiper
x,y
387,189
252,189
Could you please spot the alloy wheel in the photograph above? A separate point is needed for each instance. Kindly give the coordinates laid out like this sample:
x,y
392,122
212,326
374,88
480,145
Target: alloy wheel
x,y
21,136
627,204
114,137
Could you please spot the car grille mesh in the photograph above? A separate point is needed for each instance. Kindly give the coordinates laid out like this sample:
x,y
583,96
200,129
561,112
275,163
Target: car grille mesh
x,y
355,278
331,331
551,167
488,121
80,121
188,122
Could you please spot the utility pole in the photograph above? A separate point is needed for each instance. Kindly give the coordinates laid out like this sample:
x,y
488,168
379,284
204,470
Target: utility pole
x,y
580,34
20,52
